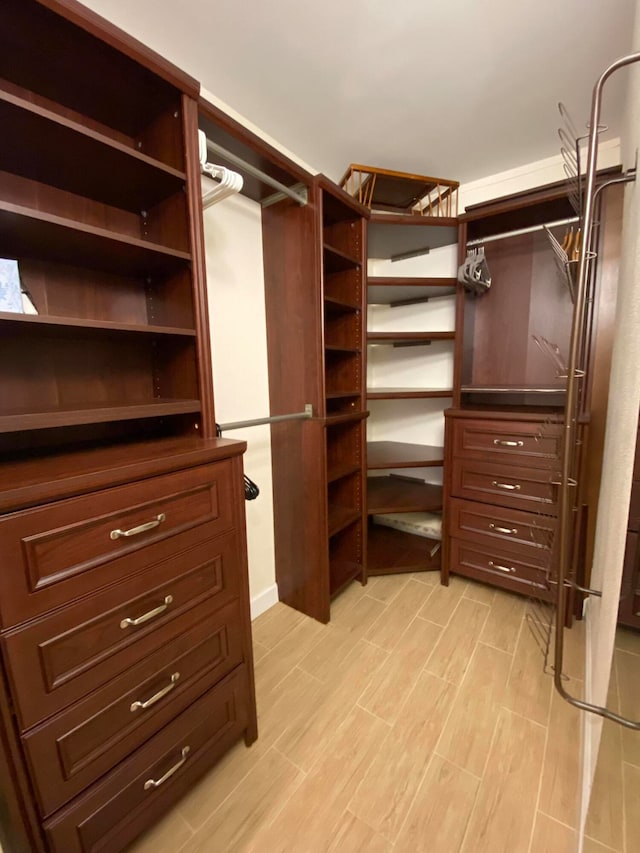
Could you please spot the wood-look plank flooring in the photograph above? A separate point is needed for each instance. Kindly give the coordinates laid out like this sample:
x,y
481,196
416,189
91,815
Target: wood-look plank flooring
x,y
418,720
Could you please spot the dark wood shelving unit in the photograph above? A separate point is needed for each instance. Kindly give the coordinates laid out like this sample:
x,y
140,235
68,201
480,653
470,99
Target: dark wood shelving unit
x,y
400,494
397,454
408,393
408,291
115,493
320,465
396,236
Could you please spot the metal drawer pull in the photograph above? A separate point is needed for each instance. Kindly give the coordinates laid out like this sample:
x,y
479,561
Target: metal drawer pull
x,y
508,531
141,528
157,696
132,623
510,487
508,569
155,783
502,442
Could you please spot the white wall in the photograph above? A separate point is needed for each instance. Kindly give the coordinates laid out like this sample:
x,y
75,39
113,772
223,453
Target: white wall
x,y
235,284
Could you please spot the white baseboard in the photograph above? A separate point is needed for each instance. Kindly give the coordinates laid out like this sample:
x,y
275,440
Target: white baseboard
x,y
262,602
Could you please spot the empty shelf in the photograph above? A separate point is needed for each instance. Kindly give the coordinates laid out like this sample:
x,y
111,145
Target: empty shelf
x,y
408,339
397,454
408,291
340,517
342,572
396,494
393,235
407,393
74,325
73,415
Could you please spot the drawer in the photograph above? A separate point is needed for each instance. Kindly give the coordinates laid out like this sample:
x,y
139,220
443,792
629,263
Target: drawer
x,y
496,567
525,533
55,553
536,445
59,659
69,752
148,783
506,485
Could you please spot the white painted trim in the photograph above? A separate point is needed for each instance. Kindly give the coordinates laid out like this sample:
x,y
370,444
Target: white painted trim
x,y
262,602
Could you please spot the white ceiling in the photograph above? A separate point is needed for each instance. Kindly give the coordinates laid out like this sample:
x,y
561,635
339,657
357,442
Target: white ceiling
x,y
455,88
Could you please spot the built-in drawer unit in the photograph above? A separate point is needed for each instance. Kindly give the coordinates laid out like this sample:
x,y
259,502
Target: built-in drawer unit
x,y
518,532
70,751
109,815
498,567
55,553
533,489
60,658
534,444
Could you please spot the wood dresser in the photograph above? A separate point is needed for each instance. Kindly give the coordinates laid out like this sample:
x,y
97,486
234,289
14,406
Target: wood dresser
x,y
126,644
126,666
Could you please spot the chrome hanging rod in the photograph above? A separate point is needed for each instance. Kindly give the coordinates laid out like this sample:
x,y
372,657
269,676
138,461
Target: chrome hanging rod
x,y
481,241
274,419
300,197
571,409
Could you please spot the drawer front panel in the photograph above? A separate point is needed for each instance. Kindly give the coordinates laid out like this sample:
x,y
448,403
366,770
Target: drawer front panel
x,y
532,444
506,485
498,568
59,659
71,751
144,786
525,533
54,554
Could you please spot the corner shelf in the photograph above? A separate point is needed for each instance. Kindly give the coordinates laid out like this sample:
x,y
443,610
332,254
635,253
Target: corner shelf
x,y
397,454
399,494
408,393
397,235
397,292
400,339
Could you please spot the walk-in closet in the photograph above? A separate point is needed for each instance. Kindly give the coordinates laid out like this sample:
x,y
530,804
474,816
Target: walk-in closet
x,y
319,467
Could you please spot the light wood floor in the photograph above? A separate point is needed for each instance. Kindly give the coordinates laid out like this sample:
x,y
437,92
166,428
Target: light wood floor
x,y
418,720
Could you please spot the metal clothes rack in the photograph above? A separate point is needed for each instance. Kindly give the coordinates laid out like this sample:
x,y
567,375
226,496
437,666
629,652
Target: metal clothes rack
x,y
480,241
272,419
298,195
586,194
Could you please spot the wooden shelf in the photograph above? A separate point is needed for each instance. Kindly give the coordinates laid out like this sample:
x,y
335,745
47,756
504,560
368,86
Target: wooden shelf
x,y
32,233
72,326
408,339
393,235
340,349
74,415
111,172
392,551
339,517
337,261
341,395
408,291
342,572
342,470
397,454
395,494
408,393
339,306
344,418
